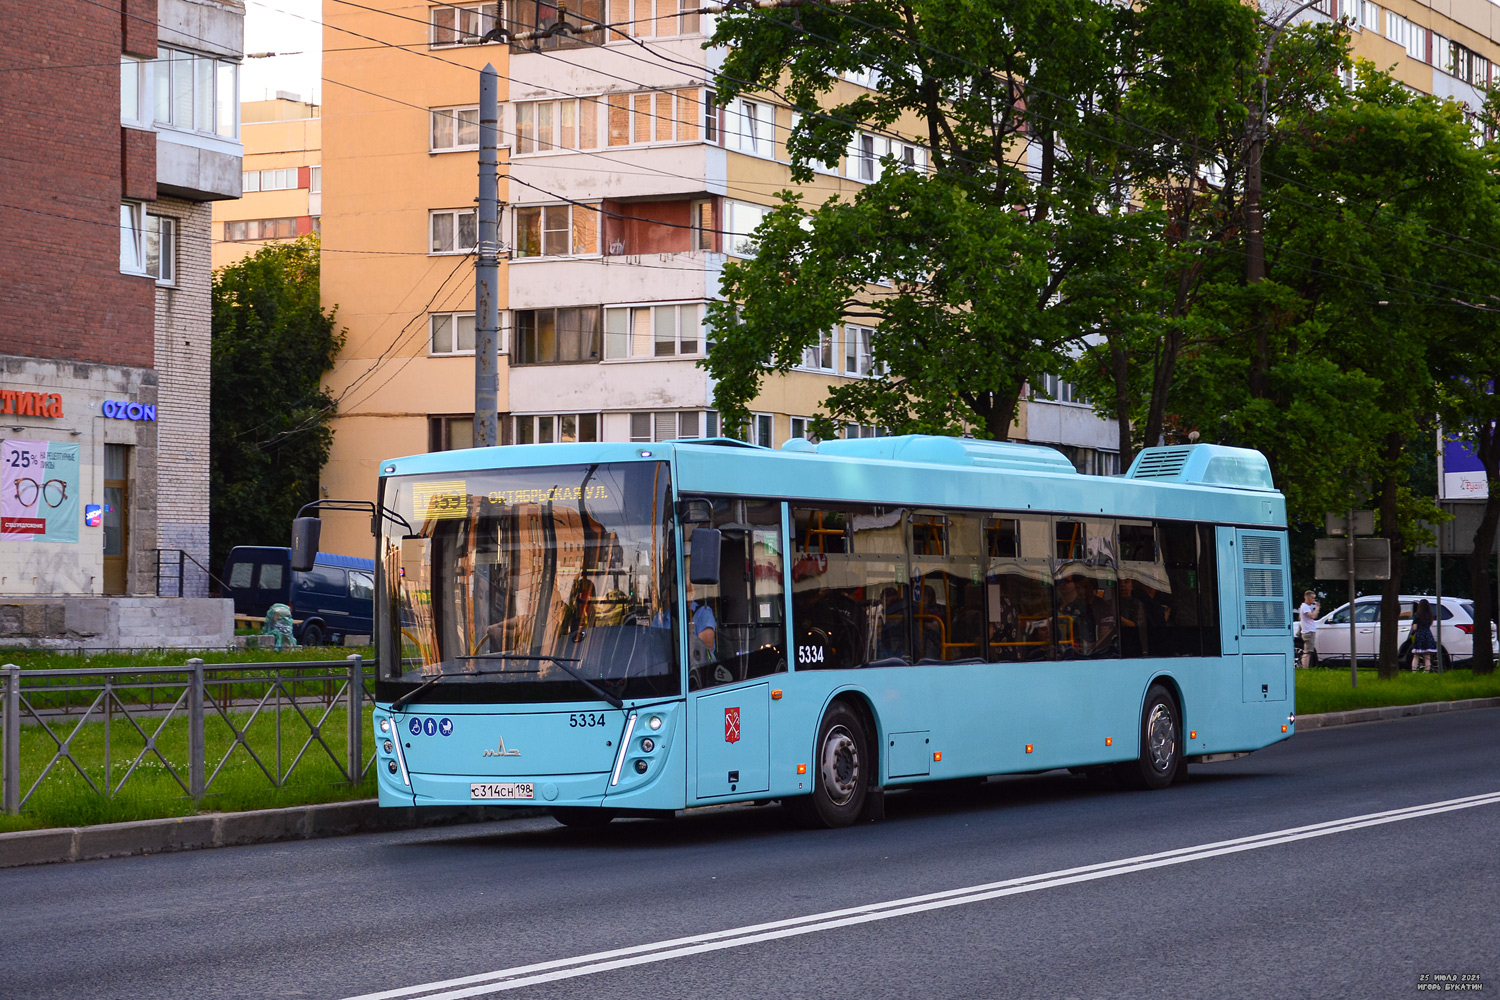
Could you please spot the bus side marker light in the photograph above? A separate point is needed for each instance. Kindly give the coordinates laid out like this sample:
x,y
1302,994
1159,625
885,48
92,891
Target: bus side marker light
x,y
1193,735
1109,741
1028,748
1283,729
776,695
937,755
801,768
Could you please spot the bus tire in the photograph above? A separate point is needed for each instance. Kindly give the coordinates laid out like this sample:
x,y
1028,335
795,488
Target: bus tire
x,y
312,635
841,771
583,817
1160,760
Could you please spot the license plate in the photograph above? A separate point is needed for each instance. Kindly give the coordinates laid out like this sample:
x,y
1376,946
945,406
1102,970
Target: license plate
x,y
503,790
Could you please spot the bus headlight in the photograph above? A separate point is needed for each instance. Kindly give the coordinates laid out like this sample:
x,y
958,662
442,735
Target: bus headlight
x,y
654,723
640,767
388,746
385,727
648,744
390,766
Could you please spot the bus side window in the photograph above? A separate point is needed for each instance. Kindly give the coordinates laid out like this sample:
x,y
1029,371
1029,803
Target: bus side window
x,y
849,587
746,606
947,587
1018,588
1084,574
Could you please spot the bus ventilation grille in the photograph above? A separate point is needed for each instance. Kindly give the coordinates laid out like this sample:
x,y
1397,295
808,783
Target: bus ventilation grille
x,y
1265,600
1161,463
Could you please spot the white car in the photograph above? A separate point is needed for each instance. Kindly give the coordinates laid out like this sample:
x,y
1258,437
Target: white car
x,y
1331,640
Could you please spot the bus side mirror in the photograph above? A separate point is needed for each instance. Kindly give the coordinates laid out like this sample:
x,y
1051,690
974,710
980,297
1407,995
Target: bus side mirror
x,y
705,551
305,531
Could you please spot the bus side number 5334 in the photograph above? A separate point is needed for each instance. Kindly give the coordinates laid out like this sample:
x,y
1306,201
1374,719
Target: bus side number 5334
x,y
809,654
585,720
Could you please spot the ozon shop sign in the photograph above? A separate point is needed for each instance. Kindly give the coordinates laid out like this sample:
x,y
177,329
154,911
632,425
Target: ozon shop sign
x,y
121,410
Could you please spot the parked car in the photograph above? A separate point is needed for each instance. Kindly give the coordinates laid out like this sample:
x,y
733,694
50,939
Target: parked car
x,y
334,599
1331,641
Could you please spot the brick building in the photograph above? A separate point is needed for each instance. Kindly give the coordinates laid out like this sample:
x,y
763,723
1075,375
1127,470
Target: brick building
x,y
105,316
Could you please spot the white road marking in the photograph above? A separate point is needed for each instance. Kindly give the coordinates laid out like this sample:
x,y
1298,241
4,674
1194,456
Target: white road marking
x,y
485,983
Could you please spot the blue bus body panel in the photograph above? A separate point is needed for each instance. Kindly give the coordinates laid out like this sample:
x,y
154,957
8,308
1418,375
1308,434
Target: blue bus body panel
x,y
748,740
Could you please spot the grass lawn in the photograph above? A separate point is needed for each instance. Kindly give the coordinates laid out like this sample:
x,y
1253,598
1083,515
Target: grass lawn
x,y
1328,689
65,798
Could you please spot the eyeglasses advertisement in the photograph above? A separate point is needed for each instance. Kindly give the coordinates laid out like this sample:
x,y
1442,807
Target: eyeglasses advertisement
x,y
38,491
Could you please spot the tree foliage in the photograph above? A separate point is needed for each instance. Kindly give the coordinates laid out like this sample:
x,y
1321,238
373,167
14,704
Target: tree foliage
x,y
272,344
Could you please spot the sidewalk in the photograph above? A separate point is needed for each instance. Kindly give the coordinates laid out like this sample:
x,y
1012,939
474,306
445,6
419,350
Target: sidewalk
x,y
265,826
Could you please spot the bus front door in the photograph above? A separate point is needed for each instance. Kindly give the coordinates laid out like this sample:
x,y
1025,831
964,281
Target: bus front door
x,y
733,741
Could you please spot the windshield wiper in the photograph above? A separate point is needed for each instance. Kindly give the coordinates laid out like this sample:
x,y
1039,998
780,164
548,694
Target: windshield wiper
x,y
559,660
442,676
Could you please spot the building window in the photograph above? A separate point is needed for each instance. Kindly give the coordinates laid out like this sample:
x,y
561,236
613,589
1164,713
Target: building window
x,y
819,356
453,231
665,425
455,128
632,119
315,180
132,88
764,427
556,231
260,229
455,25
1409,36
450,433
196,92
701,216
555,336
1369,16
556,428
132,243
852,431
802,428
1059,390
743,218
710,116
160,246
749,127
283,179
858,350
660,331
452,333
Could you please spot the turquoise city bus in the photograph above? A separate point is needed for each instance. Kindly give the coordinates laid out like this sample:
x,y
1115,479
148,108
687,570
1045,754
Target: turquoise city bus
x,y
631,629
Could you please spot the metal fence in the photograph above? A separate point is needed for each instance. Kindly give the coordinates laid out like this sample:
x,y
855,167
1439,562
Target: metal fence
x,y
296,698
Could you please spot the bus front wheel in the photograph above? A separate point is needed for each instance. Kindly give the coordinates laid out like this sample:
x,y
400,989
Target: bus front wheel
x,y
1160,760
842,771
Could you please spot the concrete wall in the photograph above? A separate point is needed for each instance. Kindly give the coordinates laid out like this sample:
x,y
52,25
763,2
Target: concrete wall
x,y
116,623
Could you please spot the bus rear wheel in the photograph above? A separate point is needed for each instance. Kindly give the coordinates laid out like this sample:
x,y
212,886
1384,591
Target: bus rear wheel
x,y
1160,760
842,769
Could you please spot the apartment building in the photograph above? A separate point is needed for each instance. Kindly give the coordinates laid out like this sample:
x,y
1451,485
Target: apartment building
x,y
104,359
282,180
627,187
1446,48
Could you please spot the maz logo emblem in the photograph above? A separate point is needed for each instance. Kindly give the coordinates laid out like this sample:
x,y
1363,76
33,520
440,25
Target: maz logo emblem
x,y
502,752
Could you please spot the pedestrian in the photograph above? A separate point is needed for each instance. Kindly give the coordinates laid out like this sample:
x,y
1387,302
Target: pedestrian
x,y
1423,646
1308,616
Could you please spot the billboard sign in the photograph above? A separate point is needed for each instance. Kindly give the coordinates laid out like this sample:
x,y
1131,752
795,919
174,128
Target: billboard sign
x,y
38,491
1462,473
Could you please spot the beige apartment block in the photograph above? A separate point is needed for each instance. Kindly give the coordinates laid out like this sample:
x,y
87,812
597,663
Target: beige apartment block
x,y
401,158
283,167
1443,47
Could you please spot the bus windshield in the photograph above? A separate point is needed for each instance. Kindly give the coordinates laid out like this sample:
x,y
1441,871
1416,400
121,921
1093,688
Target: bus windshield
x,y
530,585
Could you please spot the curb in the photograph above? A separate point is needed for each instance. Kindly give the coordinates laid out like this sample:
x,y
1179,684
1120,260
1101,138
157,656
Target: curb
x,y
260,826
335,819
1358,715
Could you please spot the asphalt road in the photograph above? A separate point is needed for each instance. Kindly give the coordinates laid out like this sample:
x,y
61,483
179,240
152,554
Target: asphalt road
x,y
1332,909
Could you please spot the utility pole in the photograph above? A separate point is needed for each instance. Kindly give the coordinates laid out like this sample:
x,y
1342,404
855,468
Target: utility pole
x,y
1255,245
487,267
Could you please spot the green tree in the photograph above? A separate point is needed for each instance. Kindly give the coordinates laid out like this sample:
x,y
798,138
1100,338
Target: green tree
x,y
1333,359
969,269
272,343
